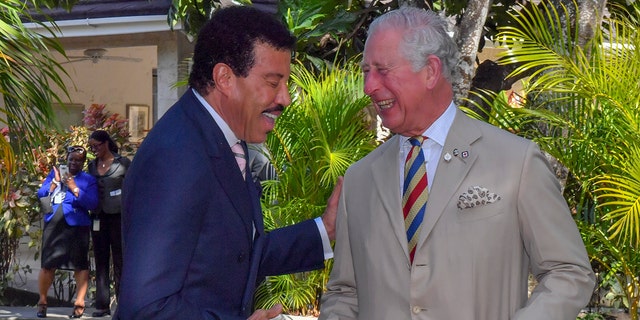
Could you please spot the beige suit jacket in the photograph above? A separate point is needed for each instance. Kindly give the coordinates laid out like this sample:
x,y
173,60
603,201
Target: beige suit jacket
x,y
470,263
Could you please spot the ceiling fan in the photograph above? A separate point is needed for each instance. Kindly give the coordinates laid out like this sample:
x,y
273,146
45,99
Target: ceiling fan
x,y
97,54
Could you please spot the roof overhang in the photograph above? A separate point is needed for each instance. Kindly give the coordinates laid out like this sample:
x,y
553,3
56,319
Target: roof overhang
x,y
89,27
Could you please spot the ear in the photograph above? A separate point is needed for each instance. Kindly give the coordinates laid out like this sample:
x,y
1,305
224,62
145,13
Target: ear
x,y
433,71
223,77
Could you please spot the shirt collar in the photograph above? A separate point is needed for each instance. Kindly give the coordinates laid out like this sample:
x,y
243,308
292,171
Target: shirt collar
x,y
439,129
226,130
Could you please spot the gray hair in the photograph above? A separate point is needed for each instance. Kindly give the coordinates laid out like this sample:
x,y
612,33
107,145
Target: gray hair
x,y
425,33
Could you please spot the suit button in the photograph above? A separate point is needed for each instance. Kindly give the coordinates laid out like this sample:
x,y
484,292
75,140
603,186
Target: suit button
x,y
241,257
416,309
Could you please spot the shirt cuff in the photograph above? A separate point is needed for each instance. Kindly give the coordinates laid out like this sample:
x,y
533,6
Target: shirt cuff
x,y
326,244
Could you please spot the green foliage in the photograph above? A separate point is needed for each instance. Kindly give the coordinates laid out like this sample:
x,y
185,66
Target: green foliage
x,y
592,316
620,194
326,30
27,76
96,118
313,143
619,265
20,208
582,107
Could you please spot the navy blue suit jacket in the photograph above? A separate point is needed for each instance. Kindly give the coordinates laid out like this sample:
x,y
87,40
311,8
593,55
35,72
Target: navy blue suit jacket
x,y
188,219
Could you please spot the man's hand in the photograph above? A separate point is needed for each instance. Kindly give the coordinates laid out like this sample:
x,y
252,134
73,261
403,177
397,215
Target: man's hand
x,y
262,314
331,212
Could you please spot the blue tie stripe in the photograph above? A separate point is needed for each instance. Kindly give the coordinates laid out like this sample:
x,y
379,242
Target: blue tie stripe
x,y
415,194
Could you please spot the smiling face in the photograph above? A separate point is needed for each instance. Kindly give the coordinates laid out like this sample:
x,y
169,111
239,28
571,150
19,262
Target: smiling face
x,y
75,161
99,148
251,104
401,95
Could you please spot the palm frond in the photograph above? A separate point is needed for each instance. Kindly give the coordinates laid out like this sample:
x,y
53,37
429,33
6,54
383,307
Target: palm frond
x,y
29,78
314,141
619,194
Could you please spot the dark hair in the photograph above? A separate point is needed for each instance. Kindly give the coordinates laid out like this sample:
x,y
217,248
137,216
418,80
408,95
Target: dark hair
x,y
102,136
229,37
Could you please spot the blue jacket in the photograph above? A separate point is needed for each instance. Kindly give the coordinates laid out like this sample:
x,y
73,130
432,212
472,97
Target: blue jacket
x,y
76,209
188,221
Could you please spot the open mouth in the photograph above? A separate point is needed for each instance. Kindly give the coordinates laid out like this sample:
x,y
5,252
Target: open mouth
x,y
385,104
270,115
273,113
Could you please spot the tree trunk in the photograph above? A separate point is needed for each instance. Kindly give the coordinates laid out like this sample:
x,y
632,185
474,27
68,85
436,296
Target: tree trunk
x,y
468,37
591,12
414,3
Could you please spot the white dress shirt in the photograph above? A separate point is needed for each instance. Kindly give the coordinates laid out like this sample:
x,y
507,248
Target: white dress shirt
x,y
232,139
431,147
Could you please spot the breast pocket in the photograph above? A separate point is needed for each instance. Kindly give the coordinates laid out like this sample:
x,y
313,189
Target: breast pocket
x,y
482,212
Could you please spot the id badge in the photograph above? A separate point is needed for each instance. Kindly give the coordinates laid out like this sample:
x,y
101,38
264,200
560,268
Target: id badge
x,y
96,225
58,198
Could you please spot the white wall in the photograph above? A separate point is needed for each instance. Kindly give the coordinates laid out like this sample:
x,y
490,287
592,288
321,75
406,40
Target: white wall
x,y
114,83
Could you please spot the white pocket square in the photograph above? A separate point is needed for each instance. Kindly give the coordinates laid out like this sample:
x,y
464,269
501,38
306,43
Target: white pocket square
x,y
476,196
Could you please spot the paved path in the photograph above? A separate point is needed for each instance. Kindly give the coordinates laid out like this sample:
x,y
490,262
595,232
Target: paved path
x,y
52,313
29,313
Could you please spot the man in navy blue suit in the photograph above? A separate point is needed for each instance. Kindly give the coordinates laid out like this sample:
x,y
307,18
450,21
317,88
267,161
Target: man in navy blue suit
x,y
194,240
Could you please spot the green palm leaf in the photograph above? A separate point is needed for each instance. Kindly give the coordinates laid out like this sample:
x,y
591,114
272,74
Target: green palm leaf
x,y
28,78
314,141
582,107
620,197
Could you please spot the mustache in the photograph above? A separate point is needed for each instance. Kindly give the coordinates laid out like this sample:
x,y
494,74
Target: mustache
x,y
276,108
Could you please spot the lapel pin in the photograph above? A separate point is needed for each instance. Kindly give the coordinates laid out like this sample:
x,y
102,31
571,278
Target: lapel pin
x,y
455,152
465,154
447,157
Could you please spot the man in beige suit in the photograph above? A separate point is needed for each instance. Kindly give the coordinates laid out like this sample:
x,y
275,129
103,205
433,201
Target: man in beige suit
x,y
494,211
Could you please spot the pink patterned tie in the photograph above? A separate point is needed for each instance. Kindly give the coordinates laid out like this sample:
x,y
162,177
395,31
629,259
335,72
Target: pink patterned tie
x,y
238,152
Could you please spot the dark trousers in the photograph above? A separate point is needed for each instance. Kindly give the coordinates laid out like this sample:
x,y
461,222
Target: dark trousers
x,y
107,242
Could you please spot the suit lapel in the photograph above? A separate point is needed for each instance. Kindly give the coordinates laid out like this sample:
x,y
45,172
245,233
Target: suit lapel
x,y
222,161
387,183
450,174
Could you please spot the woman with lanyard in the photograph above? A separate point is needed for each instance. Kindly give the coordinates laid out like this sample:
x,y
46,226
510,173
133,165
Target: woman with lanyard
x,y
66,196
109,168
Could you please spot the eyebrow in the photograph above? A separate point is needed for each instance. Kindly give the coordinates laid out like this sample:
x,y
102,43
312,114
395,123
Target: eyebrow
x,y
273,75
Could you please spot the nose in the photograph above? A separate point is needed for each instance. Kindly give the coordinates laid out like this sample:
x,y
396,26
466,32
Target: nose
x,y
371,82
283,97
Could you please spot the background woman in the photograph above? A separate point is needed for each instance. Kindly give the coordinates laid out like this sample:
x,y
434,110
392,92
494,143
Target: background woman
x,y
66,200
109,169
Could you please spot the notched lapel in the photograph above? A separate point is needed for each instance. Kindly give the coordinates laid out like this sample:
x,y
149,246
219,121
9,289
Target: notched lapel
x,y
386,177
235,188
222,161
450,174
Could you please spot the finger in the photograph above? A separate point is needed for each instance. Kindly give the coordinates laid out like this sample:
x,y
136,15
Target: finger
x,y
274,311
335,194
331,211
262,314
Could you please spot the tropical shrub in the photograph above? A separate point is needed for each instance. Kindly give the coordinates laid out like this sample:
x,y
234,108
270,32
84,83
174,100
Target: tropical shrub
x,y
316,138
582,106
28,75
96,118
20,208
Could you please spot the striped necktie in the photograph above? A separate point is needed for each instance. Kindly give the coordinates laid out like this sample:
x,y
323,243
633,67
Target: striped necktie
x,y
241,159
415,193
